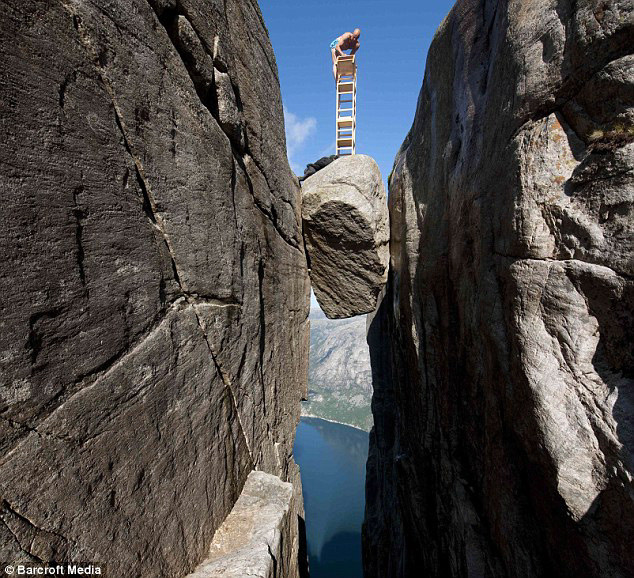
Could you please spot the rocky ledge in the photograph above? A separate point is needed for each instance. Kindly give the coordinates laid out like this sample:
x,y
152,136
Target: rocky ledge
x,y
346,233
253,539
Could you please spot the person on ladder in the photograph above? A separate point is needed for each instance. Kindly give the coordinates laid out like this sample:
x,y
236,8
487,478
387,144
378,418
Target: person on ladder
x,y
347,41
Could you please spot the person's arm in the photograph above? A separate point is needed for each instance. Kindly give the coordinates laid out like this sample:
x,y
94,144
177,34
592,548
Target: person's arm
x,y
338,50
355,48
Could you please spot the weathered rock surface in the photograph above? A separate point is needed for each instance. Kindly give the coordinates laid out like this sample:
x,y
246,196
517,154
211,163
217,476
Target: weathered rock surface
x,y
154,289
346,232
252,539
502,352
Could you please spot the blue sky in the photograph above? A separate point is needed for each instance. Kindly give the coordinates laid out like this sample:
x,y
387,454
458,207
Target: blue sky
x,y
394,42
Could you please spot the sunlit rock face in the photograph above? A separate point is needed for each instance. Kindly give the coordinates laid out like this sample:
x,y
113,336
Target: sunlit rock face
x,y
154,283
502,352
346,232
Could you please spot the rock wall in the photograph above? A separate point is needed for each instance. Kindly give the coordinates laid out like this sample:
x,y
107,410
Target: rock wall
x,y
153,318
502,351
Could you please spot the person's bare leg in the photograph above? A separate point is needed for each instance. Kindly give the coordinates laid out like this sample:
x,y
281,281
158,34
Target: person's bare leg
x,y
334,65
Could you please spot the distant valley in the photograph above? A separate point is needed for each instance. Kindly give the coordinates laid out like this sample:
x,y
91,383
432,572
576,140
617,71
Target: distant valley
x,y
339,375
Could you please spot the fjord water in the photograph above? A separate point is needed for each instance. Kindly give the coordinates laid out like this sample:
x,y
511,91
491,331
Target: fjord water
x,y
332,459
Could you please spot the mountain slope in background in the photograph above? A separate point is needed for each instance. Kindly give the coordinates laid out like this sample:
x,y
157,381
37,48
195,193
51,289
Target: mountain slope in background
x,y
339,374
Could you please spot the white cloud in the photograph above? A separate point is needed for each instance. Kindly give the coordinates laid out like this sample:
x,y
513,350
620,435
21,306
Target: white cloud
x,y
297,131
315,310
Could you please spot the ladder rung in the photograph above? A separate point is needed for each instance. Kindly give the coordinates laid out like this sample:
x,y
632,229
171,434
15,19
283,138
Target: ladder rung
x,y
344,122
347,142
345,67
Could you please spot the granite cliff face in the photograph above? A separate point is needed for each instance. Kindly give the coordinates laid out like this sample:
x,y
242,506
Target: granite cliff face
x,y
502,351
153,321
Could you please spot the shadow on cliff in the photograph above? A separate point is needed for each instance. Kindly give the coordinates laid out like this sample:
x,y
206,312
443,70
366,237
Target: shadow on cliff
x,y
302,556
612,305
613,508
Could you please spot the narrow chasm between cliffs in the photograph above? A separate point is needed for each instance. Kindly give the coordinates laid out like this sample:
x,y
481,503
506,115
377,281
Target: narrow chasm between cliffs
x,y
345,219
209,370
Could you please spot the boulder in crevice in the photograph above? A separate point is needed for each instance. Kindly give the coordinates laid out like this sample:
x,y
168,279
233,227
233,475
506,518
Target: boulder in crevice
x,y
346,233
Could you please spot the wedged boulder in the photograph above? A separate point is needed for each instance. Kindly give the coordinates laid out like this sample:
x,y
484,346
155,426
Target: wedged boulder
x,y
346,232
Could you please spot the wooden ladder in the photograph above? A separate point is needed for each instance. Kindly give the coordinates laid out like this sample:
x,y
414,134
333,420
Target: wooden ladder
x,y
346,126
